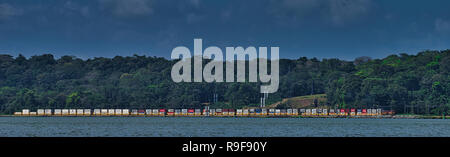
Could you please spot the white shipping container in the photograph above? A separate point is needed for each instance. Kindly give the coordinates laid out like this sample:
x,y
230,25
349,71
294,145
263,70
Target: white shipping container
x,y
25,112
111,112
104,111
155,112
97,112
239,110
264,111
58,112
245,111
80,112
148,111
40,111
87,111
289,111
48,111
125,112
313,111
277,111
118,112
65,111
72,111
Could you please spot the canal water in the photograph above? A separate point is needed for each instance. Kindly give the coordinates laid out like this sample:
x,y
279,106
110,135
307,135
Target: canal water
x,y
219,127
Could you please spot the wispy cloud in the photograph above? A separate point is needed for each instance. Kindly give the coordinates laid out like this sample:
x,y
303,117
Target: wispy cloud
x,y
442,26
8,11
128,8
337,12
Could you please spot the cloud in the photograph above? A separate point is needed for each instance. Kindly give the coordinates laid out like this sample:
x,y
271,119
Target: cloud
x,y
345,10
7,11
337,12
442,26
128,8
71,7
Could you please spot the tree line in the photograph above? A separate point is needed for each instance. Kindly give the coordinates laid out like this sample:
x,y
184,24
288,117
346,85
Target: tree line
x,y
405,83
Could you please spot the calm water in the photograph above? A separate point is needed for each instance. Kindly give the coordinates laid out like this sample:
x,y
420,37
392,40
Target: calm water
x,y
186,127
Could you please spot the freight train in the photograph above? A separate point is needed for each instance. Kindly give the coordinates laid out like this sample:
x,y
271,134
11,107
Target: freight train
x,y
258,112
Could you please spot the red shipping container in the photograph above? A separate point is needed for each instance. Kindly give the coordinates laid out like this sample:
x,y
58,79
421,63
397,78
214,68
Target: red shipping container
x,y
352,110
190,110
162,110
342,110
364,110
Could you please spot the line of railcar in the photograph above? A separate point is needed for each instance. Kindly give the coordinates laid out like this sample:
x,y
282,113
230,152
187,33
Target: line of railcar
x,y
252,112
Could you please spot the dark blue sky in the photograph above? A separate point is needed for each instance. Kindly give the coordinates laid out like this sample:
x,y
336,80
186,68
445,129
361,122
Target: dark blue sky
x,y
343,29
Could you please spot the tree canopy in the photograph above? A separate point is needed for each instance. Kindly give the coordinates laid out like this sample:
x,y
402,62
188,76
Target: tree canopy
x,y
406,83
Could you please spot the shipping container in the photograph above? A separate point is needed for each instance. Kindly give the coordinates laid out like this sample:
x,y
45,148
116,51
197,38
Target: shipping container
x,y
231,112
258,112
358,112
58,112
48,112
245,112
80,112
283,112
65,112
263,112
325,112
197,112
252,112
239,112
332,112
289,112
191,112
125,112
378,112
319,111
314,112
171,112
104,112
271,112
225,112
294,112
72,112
308,112
25,112
17,113
184,112
117,112
155,112
302,111
352,112
162,112
219,112
97,112
212,112
277,112
342,112
148,112
134,112
87,112
33,113
142,112
40,112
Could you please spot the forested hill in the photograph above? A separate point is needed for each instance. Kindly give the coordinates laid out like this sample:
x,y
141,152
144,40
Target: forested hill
x,y
412,83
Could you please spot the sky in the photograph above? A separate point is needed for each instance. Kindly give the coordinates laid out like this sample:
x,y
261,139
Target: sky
x,y
343,29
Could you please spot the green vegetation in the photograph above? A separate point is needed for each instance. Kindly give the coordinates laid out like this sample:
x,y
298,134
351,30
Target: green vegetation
x,y
413,84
